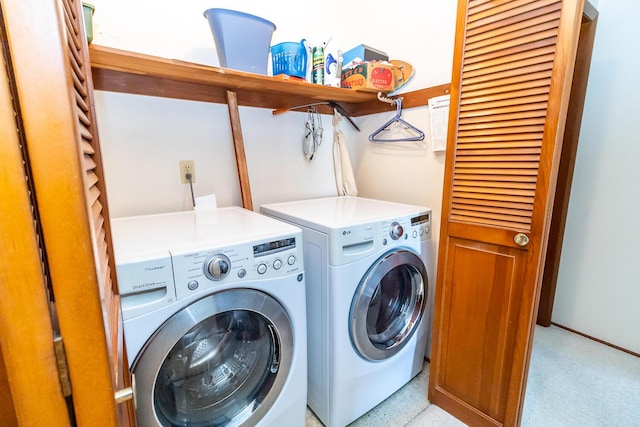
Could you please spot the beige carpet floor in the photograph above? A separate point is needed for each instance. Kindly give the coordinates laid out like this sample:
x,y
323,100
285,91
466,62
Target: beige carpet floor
x,y
573,382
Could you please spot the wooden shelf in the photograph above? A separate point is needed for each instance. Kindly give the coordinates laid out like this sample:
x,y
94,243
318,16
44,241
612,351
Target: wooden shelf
x,y
117,70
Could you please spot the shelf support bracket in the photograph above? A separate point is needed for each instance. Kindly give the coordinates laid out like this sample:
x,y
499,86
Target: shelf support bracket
x,y
238,145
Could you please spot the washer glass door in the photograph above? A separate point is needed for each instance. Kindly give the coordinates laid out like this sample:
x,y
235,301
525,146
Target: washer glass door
x,y
388,304
219,362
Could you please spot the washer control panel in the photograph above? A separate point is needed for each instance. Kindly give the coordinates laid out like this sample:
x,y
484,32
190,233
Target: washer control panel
x,y
202,270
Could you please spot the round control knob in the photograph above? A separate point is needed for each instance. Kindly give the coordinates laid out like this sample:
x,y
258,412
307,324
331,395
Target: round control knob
x,y
395,231
242,272
291,260
262,268
217,266
277,264
192,285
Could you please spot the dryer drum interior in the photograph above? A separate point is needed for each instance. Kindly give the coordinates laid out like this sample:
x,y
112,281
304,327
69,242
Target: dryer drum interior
x,y
388,304
221,369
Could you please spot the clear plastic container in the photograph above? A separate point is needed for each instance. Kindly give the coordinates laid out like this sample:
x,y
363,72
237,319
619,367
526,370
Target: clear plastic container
x,y
242,40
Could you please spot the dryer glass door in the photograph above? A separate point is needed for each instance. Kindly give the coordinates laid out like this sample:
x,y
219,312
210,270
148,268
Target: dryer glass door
x,y
220,361
388,305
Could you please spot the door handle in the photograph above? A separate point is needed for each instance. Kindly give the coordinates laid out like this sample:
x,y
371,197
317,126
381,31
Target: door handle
x,y
123,395
521,239
128,393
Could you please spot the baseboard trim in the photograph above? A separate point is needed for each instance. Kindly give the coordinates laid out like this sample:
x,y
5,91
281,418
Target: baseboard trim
x,y
597,340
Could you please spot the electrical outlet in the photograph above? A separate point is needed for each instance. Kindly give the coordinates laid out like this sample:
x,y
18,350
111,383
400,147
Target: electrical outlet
x,y
186,167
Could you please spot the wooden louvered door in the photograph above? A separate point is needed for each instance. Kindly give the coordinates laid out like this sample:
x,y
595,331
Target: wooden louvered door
x,y
513,65
49,72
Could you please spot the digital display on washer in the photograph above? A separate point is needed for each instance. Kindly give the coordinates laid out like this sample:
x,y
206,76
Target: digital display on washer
x,y
420,219
275,246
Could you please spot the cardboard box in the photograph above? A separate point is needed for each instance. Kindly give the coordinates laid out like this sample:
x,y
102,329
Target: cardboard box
x,y
363,53
370,77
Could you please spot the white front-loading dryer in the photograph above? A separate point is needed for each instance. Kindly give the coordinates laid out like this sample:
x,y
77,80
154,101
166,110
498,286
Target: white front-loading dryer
x,y
214,317
369,299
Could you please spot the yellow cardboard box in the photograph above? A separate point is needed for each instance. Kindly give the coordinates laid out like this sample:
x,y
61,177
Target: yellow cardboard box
x,y
370,77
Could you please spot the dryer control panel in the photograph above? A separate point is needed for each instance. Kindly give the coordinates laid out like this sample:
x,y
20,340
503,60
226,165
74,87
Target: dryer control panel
x,y
414,227
351,243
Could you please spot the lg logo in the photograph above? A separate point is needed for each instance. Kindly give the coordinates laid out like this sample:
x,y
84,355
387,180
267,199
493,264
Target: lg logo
x,y
345,232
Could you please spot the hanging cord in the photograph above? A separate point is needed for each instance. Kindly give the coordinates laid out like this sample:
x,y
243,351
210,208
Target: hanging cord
x,y
313,135
193,199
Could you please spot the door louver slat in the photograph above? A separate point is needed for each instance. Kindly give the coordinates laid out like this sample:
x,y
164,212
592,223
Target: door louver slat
x,y
466,184
497,217
493,209
513,138
70,14
513,35
539,16
504,50
497,179
536,72
502,12
506,75
489,172
495,91
542,55
92,179
87,148
502,159
488,114
497,124
501,131
82,116
478,6
519,104
498,151
511,205
531,14
85,133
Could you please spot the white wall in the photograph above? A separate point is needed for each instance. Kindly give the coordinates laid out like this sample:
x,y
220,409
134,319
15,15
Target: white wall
x,y
143,138
598,289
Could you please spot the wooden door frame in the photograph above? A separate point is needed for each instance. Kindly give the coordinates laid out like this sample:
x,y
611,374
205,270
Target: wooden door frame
x,y
567,163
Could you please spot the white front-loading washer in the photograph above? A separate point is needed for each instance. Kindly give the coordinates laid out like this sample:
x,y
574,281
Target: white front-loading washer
x,y
214,316
369,299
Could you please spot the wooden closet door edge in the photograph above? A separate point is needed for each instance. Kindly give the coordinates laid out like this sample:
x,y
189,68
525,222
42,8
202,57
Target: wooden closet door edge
x,y
45,92
454,91
26,336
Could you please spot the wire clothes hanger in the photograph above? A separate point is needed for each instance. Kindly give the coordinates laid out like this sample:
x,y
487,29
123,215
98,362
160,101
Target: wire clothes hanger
x,y
415,134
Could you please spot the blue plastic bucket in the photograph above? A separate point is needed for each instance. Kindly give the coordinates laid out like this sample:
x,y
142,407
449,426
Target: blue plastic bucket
x,y
289,58
242,40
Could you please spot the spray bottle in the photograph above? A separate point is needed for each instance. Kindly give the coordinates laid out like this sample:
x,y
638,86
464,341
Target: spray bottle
x,y
317,65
